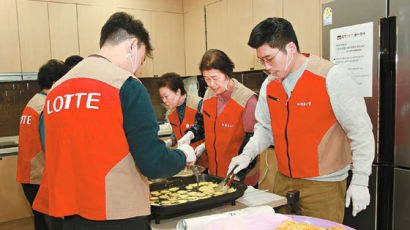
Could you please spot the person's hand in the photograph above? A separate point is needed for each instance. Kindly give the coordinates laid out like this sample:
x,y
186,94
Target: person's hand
x,y
360,197
199,150
168,142
189,153
186,139
242,161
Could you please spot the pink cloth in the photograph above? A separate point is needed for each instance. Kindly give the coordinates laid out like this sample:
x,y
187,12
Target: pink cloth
x,y
248,115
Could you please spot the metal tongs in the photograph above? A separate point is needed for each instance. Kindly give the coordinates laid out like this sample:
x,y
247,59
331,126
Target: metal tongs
x,y
226,182
196,173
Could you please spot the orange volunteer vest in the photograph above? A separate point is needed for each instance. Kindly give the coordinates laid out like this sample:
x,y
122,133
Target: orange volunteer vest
x,y
30,158
179,127
224,133
89,170
309,141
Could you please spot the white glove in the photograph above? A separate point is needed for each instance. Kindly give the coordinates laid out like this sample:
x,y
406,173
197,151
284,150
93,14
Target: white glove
x,y
199,150
360,197
168,142
189,153
242,161
186,139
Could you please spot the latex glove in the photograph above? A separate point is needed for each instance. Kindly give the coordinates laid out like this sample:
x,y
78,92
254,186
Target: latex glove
x,y
168,142
242,161
360,197
189,153
186,139
199,150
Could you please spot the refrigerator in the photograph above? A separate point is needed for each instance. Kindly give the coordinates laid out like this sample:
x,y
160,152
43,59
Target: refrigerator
x,y
382,69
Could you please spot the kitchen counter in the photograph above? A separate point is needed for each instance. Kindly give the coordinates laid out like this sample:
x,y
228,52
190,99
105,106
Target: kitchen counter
x,y
8,146
172,222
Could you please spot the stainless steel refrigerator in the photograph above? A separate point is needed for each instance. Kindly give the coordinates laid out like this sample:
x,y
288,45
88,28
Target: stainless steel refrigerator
x,y
388,105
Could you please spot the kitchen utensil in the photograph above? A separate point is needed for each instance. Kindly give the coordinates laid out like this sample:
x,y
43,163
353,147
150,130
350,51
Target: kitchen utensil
x,y
224,181
196,173
228,184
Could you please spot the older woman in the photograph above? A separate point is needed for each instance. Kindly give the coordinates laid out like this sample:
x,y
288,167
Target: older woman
x,y
182,109
228,117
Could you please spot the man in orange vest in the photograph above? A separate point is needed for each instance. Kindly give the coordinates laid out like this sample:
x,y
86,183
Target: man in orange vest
x,y
101,141
311,110
30,158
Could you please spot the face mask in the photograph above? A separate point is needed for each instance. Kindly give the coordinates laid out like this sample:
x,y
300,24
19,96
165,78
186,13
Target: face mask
x,y
226,84
287,63
133,63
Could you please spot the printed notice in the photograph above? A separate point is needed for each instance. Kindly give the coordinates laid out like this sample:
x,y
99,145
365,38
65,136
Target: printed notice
x,y
352,48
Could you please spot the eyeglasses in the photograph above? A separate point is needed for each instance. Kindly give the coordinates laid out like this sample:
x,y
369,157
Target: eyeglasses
x,y
268,60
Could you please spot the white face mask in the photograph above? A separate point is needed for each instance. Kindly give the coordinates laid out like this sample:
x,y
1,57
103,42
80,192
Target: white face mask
x,y
133,63
287,63
226,84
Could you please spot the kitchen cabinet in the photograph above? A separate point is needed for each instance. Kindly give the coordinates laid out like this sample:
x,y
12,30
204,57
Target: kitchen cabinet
x,y
228,26
9,43
34,34
147,69
305,17
262,9
195,44
217,26
12,199
168,41
174,6
90,21
239,28
268,168
63,30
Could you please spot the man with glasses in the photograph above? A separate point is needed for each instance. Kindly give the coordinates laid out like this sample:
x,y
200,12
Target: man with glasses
x,y
312,112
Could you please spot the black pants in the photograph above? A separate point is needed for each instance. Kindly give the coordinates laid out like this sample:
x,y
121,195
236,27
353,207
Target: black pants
x,y
30,190
41,221
79,223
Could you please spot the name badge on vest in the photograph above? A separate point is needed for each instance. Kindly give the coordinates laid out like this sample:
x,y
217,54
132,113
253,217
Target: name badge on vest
x,y
227,125
305,103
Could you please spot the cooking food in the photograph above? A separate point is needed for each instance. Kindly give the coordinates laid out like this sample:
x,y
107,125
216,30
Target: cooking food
x,y
292,225
192,192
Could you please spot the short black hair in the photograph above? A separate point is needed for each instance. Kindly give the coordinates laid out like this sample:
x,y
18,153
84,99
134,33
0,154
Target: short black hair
x,y
277,32
173,81
217,59
121,26
50,72
73,60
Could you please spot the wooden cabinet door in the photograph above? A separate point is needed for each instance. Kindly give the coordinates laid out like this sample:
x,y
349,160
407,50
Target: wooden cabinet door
x,y
12,199
217,26
239,29
34,34
63,30
194,29
168,42
263,9
90,21
305,17
9,43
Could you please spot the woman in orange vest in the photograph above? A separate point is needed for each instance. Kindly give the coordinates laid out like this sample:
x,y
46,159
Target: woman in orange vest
x,y
30,158
182,109
228,117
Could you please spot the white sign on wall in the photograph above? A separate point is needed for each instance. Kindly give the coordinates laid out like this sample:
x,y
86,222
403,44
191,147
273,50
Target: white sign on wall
x,y
352,48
